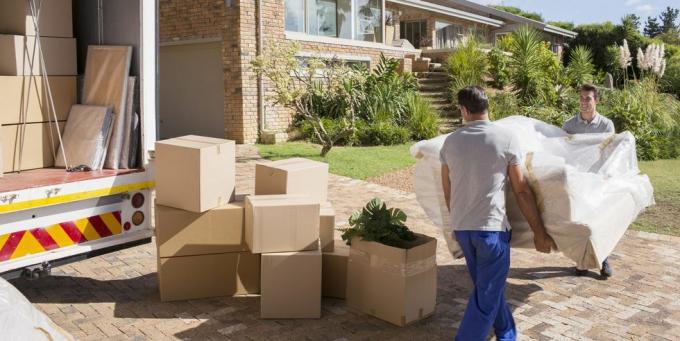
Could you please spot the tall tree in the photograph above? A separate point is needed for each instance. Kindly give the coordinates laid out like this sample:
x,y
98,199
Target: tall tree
x,y
652,27
631,20
668,19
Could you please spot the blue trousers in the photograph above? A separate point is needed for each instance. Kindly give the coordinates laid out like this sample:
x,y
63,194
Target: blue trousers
x,y
487,255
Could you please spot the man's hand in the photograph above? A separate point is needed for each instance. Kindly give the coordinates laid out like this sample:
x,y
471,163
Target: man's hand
x,y
544,243
446,186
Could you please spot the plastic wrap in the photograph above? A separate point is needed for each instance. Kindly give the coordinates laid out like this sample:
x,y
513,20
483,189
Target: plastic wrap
x,y
588,188
86,137
105,84
19,320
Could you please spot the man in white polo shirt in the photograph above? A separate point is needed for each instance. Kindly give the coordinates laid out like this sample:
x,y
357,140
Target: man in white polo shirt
x,y
477,162
589,121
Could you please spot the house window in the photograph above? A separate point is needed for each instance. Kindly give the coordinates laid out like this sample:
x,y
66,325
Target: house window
x,y
349,19
295,19
369,18
448,35
414,31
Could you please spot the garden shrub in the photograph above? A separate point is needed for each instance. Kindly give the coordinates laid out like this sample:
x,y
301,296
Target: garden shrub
x,y
381,133
503,104
467,65
498,68
423,122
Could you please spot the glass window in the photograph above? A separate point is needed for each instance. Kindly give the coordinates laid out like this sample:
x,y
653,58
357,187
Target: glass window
x,y
447,35
368,16
322,16
414,31
344,18
295,15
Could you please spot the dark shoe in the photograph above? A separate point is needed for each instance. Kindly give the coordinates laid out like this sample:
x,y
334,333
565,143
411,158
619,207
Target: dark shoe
x,y
606,269
578,272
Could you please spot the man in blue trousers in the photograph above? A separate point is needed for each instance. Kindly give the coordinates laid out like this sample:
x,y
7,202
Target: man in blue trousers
x,y
477,161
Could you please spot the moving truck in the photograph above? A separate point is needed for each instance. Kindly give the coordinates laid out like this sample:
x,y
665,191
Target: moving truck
x,y
49,216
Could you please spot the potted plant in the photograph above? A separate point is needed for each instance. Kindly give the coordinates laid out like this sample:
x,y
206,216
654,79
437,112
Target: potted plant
x,y
392,272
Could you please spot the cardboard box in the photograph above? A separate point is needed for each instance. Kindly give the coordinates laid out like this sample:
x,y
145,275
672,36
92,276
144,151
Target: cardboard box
x,y
185,233
326,227
334,271
291,285
293,176
56,18
38,150
16,54
195,173
225,274
393,284
16,95
281,223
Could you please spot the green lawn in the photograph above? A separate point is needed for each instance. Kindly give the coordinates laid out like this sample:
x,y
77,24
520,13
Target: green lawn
x,y
664,217
354,162
366,162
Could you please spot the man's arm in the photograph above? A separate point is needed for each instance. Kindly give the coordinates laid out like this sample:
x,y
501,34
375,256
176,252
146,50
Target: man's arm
x,y
446,186
527,204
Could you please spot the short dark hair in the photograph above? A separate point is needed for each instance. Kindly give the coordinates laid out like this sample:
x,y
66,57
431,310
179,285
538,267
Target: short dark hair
x,y
590,88
473,99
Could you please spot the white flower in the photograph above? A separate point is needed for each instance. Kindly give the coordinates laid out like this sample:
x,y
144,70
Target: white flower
x,y
625,55
641,59
663,68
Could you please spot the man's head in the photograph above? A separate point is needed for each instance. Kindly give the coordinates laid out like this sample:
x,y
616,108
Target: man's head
x,y
589,98
472,102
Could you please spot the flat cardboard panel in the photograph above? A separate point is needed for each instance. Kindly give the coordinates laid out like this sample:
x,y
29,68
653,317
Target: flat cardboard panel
x,y
55,18
17,57
326,227
128,128
226,274
291,285
393,284
195,173
16,97
185,233
86,137
334,271
37,150
293,176
281,223
106,81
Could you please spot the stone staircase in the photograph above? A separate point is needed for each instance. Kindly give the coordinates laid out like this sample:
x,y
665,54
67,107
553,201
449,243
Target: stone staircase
x,y
434,86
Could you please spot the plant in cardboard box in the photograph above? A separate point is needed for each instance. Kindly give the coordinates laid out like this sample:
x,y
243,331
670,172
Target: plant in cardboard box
x,y
376,223
391,272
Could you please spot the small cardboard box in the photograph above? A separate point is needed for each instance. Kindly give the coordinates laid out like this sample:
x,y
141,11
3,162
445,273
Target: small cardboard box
x,y
195,173
185,233
326,227
281,223
15,94
334,271
293,176
224,274
38,148
59,55
55,18
291,285
393,284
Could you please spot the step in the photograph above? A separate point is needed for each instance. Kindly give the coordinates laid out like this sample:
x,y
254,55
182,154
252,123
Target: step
x,y
434,80
436,68
435,94
441,106
431,75
437,87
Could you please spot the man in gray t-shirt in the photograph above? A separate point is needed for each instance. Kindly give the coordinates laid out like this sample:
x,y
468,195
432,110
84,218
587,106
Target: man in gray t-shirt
x,y
589,121
477,162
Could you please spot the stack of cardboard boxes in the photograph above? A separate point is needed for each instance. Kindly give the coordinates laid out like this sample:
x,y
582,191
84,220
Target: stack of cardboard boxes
x,y
23,80
199,226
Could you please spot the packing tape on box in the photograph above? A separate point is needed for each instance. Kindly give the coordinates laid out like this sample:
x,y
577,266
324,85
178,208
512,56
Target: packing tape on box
x,y
386,265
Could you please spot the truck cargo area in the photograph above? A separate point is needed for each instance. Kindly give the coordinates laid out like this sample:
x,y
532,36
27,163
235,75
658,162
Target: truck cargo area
x,y
54,176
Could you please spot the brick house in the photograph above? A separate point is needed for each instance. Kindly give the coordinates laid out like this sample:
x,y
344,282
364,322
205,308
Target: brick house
x,y
207,86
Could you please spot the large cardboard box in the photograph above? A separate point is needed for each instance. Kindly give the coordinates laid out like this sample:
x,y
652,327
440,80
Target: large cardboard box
x,y
393,284
17,57
326,227
334,271
281,223
38,148
293,176
186,233
195,173
16,98
55,18
225,274
291,285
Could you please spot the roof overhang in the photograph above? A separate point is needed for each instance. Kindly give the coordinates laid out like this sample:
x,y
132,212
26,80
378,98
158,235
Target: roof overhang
x,y
428,6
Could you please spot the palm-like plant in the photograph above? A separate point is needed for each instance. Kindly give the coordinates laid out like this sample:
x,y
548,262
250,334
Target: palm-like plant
x,y
580,69
526,63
